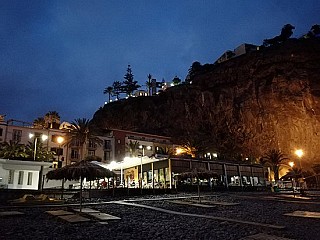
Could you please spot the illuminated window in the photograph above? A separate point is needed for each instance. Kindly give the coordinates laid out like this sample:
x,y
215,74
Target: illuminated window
x,y
29,178
20,179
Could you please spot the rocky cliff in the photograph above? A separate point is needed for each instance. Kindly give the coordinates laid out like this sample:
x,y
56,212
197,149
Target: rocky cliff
x,y
247,105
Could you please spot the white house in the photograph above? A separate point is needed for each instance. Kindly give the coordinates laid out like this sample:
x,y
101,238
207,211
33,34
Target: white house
x,y
16,174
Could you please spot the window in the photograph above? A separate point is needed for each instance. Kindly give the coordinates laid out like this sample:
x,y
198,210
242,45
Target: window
x,y
58,151
16,135
107,144
91,153
29,178
119,141
74,154
75,142
11,177
1,130
92,144
20,179
106,155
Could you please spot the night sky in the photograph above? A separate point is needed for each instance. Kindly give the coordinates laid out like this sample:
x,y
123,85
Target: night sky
x,y
60,55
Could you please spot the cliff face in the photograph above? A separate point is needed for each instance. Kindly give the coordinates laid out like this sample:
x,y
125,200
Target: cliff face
x,y
259,101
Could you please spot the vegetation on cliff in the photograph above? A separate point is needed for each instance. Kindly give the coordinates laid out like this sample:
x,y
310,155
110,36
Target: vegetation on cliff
x,y
266,99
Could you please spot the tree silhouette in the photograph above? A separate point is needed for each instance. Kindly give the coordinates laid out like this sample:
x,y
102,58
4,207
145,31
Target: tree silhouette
x,y
109,91
132,148
129,84
39,123
52,120
285,34
176,80
148,83
80,131
275,158
117,88
193,70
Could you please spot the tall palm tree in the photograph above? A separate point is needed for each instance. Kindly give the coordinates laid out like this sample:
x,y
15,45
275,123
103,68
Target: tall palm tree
x,y
39,122
109,91
275,158
52,119
80,131
12,150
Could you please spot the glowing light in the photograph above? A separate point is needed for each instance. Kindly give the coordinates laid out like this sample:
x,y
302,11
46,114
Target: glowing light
x,y
179,151
291,164
299,153
44,137
60,139
31,135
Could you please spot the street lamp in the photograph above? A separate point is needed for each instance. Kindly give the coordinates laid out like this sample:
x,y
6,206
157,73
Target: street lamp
x,y
143,147
59,141
43,138
299,153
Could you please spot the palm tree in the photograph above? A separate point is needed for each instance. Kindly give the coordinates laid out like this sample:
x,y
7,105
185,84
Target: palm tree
x,y
52,119
80,131
12,150
132,147
275,158
42,153
39,123
109,91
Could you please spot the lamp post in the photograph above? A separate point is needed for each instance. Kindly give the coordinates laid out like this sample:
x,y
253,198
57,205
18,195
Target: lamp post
x,y
299,153
291,164
43,138
141,156
59,141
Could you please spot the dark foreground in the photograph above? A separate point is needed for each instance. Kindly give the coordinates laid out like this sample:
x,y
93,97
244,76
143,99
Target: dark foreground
x,y
231,222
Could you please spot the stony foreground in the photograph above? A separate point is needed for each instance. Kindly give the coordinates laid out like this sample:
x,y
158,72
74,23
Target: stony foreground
x,y
256,213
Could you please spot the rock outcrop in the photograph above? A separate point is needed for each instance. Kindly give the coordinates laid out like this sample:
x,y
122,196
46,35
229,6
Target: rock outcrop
x,y
247,105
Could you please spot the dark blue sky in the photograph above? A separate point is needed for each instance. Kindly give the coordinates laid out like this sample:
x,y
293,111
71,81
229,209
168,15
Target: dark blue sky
x,y
60,55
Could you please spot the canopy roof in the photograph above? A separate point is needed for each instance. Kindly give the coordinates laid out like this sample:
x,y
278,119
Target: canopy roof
x,y
80,170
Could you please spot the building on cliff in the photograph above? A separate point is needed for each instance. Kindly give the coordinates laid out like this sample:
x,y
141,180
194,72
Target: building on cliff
x,y
238,51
